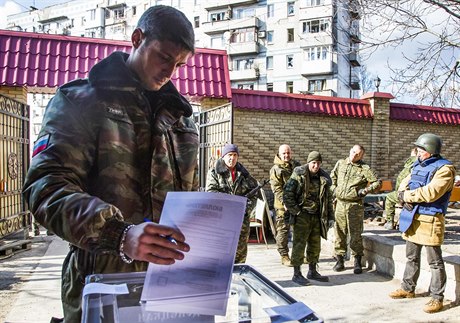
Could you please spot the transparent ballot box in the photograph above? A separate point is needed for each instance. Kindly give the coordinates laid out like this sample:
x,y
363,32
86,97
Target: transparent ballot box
x,y
251,294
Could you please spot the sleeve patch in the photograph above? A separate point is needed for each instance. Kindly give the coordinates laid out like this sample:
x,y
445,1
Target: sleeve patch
x,y
41,144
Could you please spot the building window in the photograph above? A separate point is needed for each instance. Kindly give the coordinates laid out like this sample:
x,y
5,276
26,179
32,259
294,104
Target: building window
x,y
270,87
243,64
118,13
217,42
289,61
246,86
270,10
243,35
270,34
315,26
197,21
316,85
134,10
269,62
244,13
290,35
290,8
92,14
319,53
218,16
290,87
314,3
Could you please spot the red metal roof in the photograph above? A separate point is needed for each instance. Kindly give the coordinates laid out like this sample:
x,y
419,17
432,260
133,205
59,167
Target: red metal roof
x,y
44,60
411,112
300,103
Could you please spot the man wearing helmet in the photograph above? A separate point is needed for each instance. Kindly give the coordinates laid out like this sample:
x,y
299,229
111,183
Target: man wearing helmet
x,y
425,201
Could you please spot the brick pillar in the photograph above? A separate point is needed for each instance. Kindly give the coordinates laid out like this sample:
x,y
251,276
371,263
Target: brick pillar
x,y
379,152
19,93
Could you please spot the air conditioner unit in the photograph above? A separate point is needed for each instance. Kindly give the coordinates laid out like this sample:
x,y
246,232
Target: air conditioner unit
x,y
261,34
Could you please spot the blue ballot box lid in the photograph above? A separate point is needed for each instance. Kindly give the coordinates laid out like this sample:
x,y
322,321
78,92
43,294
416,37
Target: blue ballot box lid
x,y
252,298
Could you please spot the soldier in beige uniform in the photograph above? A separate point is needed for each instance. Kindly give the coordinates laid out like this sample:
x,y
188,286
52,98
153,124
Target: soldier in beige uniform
x,y
422,219
279,174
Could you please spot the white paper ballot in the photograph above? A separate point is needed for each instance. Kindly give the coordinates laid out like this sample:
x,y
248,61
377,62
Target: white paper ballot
x,y
211,224
100,288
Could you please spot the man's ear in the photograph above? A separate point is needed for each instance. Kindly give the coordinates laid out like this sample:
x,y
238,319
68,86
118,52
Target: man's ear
x,y
136,37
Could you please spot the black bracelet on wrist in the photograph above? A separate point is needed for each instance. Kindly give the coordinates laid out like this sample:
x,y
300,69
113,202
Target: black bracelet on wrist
x,y
121,252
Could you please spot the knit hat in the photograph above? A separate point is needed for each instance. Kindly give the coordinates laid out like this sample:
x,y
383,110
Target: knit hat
x,y
314,155
230,148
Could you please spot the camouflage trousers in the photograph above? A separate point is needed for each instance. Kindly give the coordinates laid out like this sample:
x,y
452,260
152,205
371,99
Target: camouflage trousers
x,y
391,200
307,233
349,222
282,233
242,249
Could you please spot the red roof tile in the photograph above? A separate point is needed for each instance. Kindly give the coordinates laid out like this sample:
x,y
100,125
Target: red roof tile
x,y
300,103
412,112
51,60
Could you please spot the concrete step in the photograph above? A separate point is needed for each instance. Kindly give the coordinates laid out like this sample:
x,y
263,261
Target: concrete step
x,y
385,251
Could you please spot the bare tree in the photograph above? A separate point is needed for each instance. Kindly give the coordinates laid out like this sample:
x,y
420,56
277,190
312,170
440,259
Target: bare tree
x,y
429,68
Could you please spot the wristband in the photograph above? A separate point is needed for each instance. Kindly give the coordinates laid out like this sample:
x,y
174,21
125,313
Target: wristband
x,y
122,254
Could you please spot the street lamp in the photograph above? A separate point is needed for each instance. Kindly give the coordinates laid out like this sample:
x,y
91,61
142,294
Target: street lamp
x,y
377,81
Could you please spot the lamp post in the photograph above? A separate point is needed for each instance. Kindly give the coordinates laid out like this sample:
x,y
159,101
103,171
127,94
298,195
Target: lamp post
x,y
377,81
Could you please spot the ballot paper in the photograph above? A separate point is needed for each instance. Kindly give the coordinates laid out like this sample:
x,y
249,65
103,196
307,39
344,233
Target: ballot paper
x,y
200,283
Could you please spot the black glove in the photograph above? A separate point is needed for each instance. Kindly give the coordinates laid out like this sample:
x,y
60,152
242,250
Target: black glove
x,y
401,197
362,192
408,206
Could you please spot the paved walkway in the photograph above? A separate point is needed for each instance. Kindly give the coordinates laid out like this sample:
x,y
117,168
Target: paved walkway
x,y
346,298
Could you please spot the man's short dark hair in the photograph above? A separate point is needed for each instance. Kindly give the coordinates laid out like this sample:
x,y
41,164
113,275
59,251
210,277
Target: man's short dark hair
x,y
167,23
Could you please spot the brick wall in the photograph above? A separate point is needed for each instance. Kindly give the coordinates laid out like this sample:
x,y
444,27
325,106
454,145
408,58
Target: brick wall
x,y
388,143
18,93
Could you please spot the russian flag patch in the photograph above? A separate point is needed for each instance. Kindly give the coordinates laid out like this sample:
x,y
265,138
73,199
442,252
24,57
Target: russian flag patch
x,y
41,144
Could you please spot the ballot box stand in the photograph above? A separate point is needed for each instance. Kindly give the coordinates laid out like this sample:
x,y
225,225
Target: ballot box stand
x,y
250,293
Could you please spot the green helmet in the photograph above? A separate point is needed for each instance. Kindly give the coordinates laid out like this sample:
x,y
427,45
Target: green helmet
x,y
430,143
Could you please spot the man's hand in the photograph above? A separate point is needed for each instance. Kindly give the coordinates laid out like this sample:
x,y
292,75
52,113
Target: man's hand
x,y
362,192
330,223
149,242
401,197
408,206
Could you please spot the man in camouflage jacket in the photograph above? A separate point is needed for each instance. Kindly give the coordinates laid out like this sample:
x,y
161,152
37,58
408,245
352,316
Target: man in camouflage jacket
x,y
307,196
230,177
352,180
110,148
279,175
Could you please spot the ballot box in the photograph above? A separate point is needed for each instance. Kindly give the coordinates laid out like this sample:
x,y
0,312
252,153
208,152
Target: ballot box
x,y
252,298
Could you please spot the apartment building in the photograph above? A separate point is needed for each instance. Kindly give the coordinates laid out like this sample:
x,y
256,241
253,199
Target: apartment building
x,y
303,46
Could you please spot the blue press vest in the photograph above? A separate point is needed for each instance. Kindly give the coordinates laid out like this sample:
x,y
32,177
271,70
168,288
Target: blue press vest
x,y
422,174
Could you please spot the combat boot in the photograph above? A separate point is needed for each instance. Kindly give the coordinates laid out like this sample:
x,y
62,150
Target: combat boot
x,y
286,261
389,225
298,278
433,306
314,274
358,268
339,265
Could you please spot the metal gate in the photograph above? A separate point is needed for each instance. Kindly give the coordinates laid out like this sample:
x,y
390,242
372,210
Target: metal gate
x,y
215,131
15,219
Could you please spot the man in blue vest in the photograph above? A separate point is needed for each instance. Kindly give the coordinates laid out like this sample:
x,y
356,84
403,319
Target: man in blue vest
x,y
425,203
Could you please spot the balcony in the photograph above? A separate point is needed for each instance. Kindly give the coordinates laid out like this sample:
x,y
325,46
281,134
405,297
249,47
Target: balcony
x,y
243,48
321,67
213,6
221,26
241,75
354,59
315,39
354,83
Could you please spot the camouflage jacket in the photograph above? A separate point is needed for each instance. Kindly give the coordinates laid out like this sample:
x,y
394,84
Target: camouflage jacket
x,y
296,193
348,178
279,174
113,151
219,180
407,169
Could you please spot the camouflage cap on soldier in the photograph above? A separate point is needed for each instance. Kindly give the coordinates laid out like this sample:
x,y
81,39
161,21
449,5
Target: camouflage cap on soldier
x,y
314,156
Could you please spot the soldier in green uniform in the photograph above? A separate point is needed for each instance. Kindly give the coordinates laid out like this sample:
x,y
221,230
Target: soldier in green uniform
x,y
352,180
392,198
279,174
307,195
229,176
110,148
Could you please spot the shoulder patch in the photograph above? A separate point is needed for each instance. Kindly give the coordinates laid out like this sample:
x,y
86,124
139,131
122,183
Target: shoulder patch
x,y
41,144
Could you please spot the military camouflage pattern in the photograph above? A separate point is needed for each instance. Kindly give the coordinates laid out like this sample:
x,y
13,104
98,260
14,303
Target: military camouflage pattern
x,y
309,197
113,153
391,199
279,174
219,180
347,179
407,169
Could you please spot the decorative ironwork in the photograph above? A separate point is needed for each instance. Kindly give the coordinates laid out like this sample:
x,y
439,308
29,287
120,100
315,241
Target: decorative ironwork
x,y
13,165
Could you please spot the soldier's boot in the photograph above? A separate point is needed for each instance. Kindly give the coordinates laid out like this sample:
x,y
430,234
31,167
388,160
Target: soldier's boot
x,y
286,261
389,225
314,274
433,306
298,278
358,269
339,265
